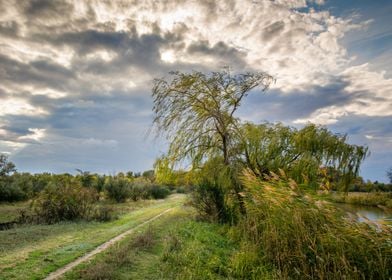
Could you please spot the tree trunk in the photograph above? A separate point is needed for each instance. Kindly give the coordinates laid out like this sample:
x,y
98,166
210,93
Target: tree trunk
x,y
237,188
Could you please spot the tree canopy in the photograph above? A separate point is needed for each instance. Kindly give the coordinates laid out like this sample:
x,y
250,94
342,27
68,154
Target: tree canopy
x,y
305,154
196,111
6,166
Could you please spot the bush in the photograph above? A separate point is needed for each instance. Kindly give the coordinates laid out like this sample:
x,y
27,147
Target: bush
x,y
158,192
215,195
138,191
66,202
209,200
103,214
118,189
11,191
143,189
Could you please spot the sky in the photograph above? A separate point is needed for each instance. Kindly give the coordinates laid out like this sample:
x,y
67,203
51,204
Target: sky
x,y
76,76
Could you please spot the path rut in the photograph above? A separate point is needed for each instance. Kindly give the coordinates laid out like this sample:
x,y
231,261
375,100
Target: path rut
x,y
58,273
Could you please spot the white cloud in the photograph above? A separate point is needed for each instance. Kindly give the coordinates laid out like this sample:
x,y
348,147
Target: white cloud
x,y
35,135
18,106
369,94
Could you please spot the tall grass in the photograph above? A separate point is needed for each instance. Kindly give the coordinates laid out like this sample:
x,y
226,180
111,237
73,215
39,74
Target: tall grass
x,y
307,239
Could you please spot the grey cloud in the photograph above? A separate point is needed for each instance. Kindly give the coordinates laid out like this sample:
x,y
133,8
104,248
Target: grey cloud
x,y
274,105
9,28
42,72
273,30
45,8
223,52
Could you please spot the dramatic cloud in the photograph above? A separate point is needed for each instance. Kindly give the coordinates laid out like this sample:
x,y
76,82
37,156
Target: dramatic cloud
x,y
76,75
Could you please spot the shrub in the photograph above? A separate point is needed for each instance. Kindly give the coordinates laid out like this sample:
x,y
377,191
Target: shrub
x,y
59,202
103,214
11,191
118,189
209,200
138,191
158,192
215,195
145,240
143,189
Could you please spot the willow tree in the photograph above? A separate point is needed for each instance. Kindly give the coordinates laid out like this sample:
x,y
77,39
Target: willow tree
x,y
196,111
304,155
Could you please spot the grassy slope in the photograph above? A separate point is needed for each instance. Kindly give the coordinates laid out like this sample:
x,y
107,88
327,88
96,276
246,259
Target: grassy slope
x,y
33,251
172,247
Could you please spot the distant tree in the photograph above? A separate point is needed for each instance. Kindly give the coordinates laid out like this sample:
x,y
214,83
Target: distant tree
x,y
6,167
149,174
389,175
86,178
129,175
196,111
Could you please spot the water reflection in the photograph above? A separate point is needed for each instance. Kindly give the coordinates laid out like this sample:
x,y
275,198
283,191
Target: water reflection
x,y
364,213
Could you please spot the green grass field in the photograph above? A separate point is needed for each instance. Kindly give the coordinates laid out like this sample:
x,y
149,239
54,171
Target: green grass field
x,y
176,246
33,251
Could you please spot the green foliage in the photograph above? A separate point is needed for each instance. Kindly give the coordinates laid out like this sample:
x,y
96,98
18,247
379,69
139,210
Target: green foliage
x,y
149,175
121,188
11,191
8,190
164,173
307,239
213,195
368,199
118,189
86,178
6,166
103,213
302,154
157,191
64,201
196,111
389,175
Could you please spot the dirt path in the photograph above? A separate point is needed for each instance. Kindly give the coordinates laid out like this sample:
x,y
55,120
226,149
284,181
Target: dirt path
x,y
58,273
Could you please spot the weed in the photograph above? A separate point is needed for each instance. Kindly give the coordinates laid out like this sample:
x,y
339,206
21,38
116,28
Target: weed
x,y
145,240
99,271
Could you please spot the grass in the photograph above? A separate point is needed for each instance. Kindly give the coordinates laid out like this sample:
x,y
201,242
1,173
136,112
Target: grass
x,y
9,212
304,238
176,246
377,199
37,250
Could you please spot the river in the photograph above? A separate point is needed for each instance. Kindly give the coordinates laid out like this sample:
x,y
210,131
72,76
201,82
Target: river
x,y
363,213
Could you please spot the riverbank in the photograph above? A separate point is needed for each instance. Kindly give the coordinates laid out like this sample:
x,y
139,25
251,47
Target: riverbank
x,y
377,199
